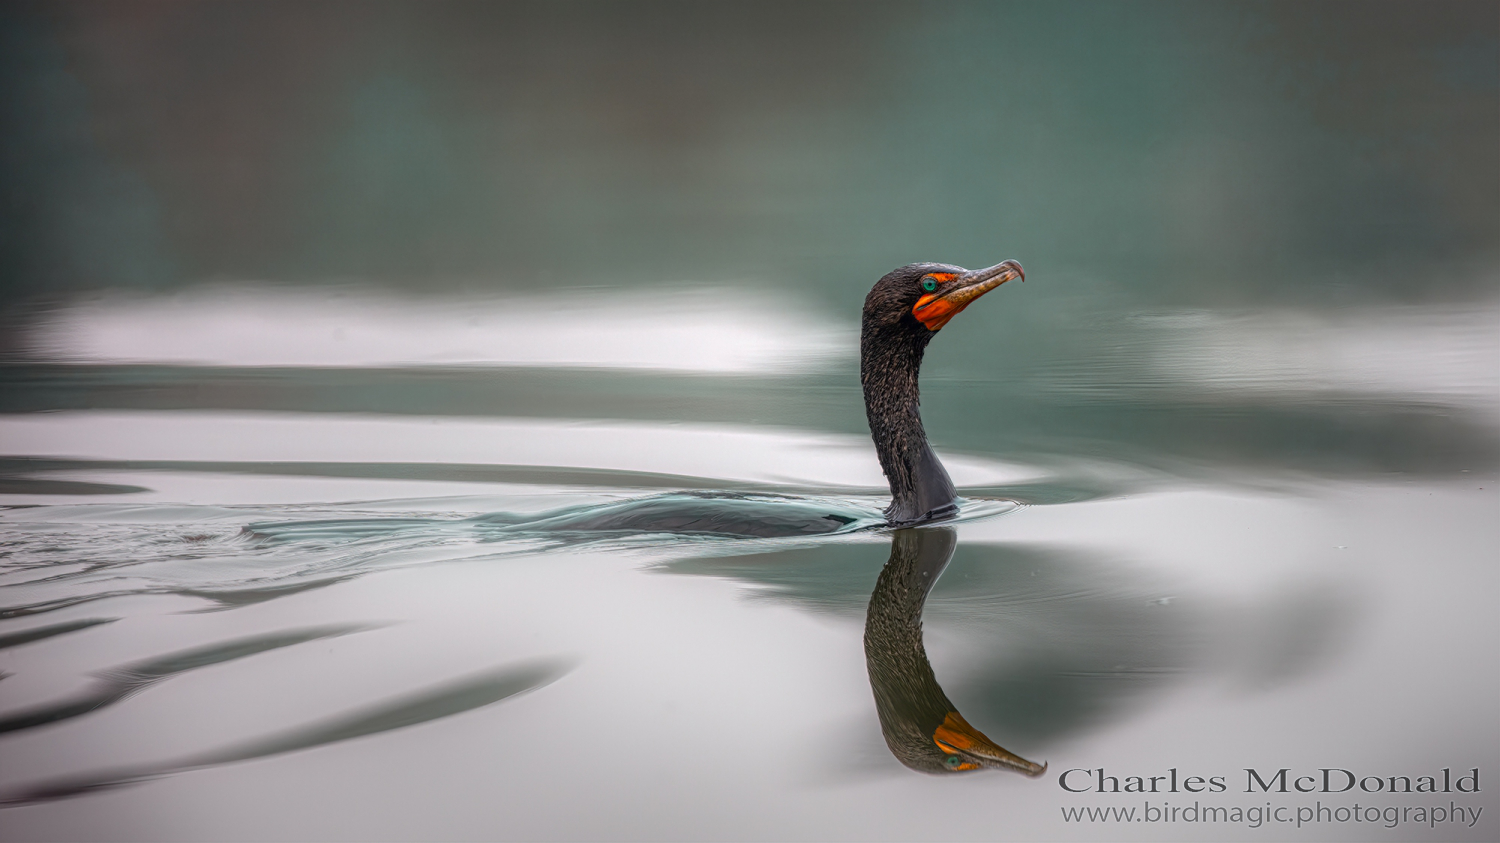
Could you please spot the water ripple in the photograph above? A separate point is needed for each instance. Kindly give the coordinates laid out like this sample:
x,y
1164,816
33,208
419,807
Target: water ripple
x,y
119,683
234,557
433,703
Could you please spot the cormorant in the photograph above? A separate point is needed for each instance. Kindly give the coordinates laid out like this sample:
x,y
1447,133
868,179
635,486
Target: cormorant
x,y
922,728
902,313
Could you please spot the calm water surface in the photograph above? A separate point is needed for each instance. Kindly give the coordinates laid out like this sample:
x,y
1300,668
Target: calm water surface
x,y
372,618
325,328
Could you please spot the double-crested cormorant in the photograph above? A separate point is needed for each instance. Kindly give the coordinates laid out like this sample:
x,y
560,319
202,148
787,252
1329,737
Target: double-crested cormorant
x,y
902,313
921,726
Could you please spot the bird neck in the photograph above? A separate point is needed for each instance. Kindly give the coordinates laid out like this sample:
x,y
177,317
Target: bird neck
x,y
890,360
908,699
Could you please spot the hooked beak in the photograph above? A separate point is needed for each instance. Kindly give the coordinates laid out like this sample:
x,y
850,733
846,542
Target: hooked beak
x,y
936,309
957,737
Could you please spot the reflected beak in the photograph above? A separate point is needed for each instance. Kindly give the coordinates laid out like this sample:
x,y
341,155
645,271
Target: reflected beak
x,y
957,737
936,309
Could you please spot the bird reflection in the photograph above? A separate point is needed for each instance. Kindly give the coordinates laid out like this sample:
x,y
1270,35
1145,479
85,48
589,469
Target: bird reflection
x,y
921,726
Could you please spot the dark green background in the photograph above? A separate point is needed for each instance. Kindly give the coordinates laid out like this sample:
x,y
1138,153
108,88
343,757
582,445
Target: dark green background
x,y
1333,159
1184,152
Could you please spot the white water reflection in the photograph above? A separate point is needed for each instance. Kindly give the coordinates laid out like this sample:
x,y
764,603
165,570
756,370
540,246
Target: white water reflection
x,y
726,452
1448,354
1437,356
693,329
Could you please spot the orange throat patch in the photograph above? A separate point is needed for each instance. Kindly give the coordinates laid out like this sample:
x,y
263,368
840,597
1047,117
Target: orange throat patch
x,y
934,311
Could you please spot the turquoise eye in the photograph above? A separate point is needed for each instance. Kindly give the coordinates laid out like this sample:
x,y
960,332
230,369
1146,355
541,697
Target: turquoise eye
x,y
928,284
952,762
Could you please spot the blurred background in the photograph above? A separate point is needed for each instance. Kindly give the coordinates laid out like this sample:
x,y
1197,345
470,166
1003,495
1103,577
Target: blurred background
x,y
355,262
1184,153
1252,231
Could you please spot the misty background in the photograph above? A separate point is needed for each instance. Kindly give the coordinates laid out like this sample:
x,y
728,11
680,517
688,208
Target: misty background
x,y
1252,231
297,300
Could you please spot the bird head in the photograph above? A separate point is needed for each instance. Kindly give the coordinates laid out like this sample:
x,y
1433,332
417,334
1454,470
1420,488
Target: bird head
x,y
962,748
930,294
